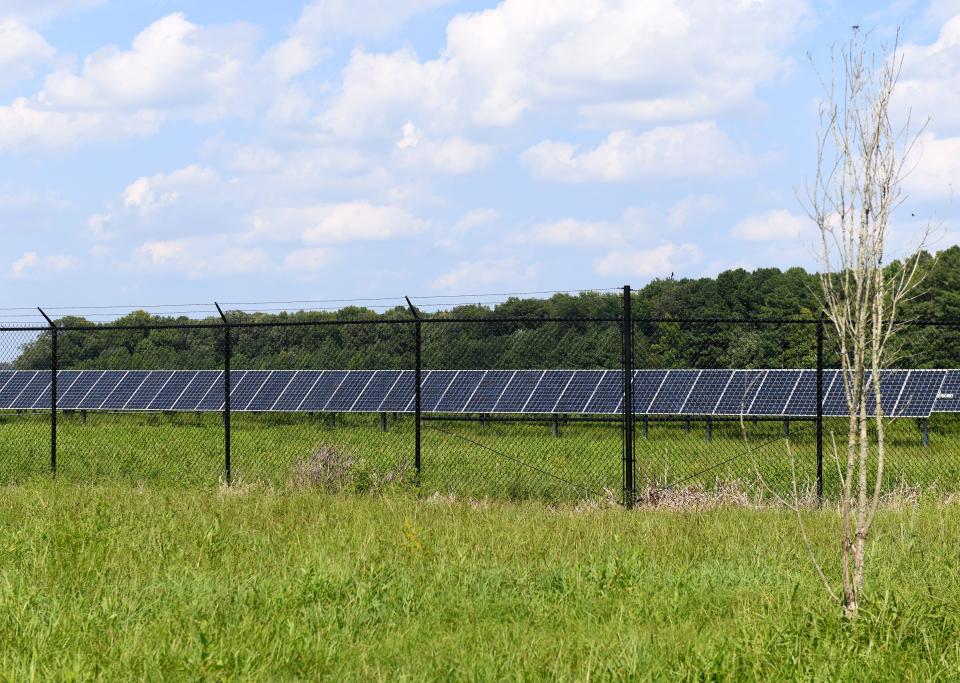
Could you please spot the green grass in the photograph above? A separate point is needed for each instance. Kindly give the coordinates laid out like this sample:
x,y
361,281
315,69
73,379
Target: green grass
x,y
123,582
498,460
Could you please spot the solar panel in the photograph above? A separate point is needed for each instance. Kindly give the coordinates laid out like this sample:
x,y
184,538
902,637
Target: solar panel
x,y
920,393
349,390
318,396
401,394
774,392
70,399
270,390
948,398
578,392
488,392
459,391
706,392
102,388
548,391
37,388
608,396
646,385
14,386
433,386
739,392
518,391
673,393
117,399
199,386
376,391
292,398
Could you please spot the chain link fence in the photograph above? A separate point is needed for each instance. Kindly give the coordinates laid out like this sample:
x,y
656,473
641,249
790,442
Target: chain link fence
x,y
630,411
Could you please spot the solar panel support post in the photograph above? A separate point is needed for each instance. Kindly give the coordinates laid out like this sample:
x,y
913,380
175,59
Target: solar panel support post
x,y
418,344
53,392
227,352
629,488
820,407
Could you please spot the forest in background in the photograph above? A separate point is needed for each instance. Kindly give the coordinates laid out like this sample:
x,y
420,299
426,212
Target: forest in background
x,y
763,293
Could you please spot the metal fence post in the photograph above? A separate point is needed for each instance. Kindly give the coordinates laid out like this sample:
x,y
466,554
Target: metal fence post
x,y
227,352
53,392
820,407
629,487
418,345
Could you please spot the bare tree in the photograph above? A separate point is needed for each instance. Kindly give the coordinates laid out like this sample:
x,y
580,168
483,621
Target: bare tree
x,y
862,159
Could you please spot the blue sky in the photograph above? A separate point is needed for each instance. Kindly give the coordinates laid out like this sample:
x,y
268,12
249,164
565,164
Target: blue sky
x,y
154,151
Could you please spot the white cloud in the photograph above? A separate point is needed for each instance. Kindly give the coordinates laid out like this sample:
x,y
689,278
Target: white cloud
x,y
622,61
778,224
147,194
22,50
661,260
329,19
172,65
934,171
309,260
24,125
929,84
575,232
693,208
683,151
475,218
202,256
31,264
448,155
335,223
484,273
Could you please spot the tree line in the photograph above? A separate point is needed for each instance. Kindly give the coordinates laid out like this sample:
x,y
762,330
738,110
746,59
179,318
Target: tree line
x,y
473,343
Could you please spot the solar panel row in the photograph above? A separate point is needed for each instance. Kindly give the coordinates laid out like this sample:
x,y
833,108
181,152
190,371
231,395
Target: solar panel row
x,y
766,393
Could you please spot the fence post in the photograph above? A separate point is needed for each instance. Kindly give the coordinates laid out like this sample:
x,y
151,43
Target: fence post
x,y
53,393
629,487
227,352
418,344
820,408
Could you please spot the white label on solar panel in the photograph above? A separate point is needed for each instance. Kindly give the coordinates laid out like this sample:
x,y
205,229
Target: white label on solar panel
x,y
534,392
161,390
257,392
110,393
565,387
945,396
354,404
283,391
184,390
766,374
469,398
315,382
32,377
95,383
790,397
497,402
387,392
130,398
657,392
333,393
722,393
695,380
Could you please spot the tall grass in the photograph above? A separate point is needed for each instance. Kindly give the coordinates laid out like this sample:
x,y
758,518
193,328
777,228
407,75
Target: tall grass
x,y
126,582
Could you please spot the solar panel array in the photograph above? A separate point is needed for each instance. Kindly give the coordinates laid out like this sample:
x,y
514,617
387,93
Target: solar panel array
x,y
755,393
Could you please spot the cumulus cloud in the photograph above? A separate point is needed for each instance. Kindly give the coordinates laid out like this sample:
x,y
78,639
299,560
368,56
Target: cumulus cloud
x,y
329,19
778,224
35,11
202,256
930,80
657,261
309,260
684,151
335,223
22,50
32,264
448,155
475,218
574,232
615,61
484,273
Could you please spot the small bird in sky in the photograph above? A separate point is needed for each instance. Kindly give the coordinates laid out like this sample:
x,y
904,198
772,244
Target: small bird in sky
x,y
856,27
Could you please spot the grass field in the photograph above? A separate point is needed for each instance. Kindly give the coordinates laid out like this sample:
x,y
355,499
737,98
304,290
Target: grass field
x,y
498,460
123,582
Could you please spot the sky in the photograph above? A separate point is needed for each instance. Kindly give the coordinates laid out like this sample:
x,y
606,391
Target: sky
x,y
172,152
